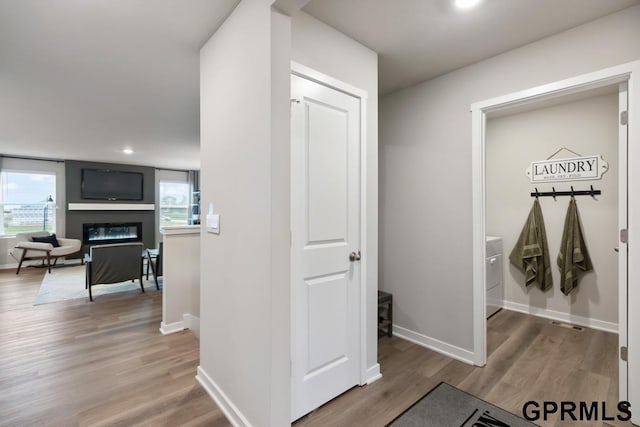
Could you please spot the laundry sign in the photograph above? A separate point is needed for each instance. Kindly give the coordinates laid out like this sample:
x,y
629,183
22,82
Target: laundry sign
x,y
573,169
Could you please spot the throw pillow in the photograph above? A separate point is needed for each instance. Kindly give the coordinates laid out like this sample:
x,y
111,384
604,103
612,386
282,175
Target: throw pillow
x,y
47,239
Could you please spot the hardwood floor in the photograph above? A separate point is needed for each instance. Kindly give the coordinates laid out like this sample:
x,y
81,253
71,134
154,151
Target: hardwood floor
x,y
529,359
76,363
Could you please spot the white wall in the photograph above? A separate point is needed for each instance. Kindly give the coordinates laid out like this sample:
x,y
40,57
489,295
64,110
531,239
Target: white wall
x,y
589,127
425,165
57,167
324,49
181,278
244,335
280,396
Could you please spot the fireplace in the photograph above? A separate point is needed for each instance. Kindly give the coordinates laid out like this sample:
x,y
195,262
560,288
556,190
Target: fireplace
x,y
111,232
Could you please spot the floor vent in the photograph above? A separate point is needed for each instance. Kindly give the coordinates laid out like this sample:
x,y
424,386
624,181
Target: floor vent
x,y
566,325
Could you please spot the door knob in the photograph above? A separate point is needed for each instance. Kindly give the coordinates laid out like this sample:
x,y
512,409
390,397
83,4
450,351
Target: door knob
x,y
354,256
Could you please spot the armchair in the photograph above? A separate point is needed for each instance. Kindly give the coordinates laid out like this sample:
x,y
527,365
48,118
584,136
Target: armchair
x,y
27,250
113,264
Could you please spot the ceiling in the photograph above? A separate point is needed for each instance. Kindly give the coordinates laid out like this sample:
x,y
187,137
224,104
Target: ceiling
x,y
418,40
85,79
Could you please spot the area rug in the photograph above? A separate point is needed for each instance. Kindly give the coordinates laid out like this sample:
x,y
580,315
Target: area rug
x,y
65,283
446,406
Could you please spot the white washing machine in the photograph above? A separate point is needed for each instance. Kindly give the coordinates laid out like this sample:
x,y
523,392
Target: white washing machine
x,y
495,276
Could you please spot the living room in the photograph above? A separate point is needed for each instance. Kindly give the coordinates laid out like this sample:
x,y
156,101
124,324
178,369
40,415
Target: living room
x,y
69,197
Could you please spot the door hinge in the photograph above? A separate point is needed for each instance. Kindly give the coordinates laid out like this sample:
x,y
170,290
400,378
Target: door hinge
x,y
623,353
624,118
624,235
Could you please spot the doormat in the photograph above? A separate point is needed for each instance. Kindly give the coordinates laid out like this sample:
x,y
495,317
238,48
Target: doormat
x,y
447,406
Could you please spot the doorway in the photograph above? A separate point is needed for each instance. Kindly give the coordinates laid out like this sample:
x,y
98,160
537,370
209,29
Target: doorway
x,y
579,85
327,240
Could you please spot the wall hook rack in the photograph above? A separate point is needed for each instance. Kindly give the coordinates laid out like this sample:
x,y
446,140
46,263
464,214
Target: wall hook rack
x,y
591,192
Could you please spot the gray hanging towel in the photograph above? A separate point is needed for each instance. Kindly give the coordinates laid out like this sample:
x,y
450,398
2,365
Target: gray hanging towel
x,y
531,253
573,257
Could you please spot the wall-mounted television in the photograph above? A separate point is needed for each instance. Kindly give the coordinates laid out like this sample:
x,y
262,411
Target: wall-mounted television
x,y
105,184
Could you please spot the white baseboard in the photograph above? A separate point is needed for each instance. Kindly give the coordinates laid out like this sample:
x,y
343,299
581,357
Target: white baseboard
x,y
189,321
372,374
562,317
171,328
452,351
193,323
8,266
230,410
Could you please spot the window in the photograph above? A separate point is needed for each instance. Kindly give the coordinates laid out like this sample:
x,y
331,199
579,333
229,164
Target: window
x,y
174,203
26,199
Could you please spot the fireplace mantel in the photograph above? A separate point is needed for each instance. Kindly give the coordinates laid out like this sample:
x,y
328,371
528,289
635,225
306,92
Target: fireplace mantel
x,y
112,206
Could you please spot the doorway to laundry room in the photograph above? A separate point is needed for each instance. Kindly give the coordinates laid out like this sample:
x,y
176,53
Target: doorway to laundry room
x,y
555,201
624,357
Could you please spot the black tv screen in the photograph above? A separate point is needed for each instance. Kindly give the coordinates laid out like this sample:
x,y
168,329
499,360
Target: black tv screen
x,y
104,184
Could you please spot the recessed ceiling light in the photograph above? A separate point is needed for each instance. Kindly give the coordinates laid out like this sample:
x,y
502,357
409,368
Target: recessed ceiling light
x,y
466,4
127,151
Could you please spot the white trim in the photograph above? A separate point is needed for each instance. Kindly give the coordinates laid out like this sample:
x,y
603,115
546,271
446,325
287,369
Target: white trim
x,y
231,411
623,218
442,347
305,72
479,111
584,82
8,266
478,121
633,247
171,328
373,374
192,323
561,316
189,321
364,262
179,229
112,206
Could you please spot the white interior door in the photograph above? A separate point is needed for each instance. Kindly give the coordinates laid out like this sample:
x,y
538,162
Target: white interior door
x,y
623,275
325,244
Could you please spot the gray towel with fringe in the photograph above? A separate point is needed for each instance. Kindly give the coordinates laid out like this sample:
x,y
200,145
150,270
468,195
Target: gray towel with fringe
x,y
573,258
531,253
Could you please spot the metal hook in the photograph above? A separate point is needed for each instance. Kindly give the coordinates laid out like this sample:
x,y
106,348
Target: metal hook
x,y
592,192
572,191
536,193
554,194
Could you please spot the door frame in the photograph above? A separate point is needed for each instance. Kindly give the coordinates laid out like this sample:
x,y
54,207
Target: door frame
x,y
308,73
630,73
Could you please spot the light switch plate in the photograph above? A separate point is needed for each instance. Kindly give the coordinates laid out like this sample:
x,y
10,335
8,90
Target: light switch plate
x,y
213,223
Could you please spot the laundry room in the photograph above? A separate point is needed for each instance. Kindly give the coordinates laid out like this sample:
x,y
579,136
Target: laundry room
x,y
527,160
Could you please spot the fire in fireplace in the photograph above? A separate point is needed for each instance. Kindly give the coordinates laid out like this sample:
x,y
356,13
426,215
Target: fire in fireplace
x,y
112,232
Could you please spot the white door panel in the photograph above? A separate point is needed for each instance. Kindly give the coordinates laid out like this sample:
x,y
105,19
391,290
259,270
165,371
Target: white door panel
x,y
325,217
327,202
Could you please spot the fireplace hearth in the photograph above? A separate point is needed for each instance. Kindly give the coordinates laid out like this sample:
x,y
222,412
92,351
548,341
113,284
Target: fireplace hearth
x,y
112,232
